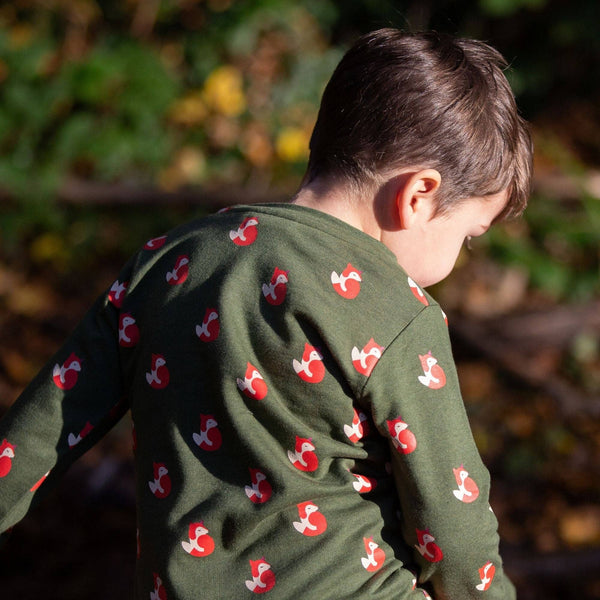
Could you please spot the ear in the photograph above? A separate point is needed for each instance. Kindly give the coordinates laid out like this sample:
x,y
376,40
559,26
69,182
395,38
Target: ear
x,y
415,196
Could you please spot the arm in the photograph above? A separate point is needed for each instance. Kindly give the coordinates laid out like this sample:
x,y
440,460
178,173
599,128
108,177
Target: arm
x,y
70,405
442,484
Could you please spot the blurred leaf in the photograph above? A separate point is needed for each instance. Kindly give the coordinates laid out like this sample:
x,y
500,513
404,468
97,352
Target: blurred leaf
x,y
292,144
50,248
228,91
580,526
18,368
504,8
31,300
73,138
223,91
523,461
95,80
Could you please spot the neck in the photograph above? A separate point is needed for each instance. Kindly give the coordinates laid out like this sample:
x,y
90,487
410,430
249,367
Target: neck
x,y
341,202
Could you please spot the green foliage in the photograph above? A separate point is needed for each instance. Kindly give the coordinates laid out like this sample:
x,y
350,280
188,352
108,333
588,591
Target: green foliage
x,y
117,111
101,115
559,248
226,91
504,8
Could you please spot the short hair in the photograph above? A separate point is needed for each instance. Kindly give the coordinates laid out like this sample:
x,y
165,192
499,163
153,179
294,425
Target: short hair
x,y
425,100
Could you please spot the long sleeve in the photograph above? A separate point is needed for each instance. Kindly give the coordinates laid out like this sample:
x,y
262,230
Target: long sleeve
x,y
74,400
442,484
275,361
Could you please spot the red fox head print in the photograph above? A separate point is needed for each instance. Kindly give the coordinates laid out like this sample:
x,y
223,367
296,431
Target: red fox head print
x,y
433,375
7,453
347,284
246,233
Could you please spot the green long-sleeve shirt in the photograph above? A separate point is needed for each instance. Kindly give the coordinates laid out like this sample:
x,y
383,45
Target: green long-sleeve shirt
x,y
298,424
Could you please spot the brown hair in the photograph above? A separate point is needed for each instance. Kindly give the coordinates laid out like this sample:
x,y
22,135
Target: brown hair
x,y
424,100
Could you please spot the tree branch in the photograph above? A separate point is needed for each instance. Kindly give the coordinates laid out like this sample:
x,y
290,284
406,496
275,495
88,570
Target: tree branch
x,y
508,344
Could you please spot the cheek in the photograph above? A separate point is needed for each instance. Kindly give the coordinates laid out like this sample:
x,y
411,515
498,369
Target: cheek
x,y
442,262
453,251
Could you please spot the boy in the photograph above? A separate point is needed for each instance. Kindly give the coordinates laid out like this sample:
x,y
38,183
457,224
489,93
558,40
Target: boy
x,y
298,423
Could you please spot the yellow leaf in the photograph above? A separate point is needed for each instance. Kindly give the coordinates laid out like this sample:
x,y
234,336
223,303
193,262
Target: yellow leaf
x,y
581,526
49,248
292,144
189,110
223,91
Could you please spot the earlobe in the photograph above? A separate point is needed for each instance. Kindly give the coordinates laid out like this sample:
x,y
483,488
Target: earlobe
x,y
415,196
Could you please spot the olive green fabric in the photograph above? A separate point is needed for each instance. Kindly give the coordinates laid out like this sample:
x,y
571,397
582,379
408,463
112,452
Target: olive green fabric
x,y
270,355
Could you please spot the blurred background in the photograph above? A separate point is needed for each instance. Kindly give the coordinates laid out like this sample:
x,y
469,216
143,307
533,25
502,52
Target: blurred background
x,y
121,119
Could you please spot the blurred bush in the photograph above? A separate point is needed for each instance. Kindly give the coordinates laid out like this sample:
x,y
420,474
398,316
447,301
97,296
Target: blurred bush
x,y
178,93
169,93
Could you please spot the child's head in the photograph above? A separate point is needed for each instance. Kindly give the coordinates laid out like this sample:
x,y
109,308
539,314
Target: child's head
x,y
423,100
